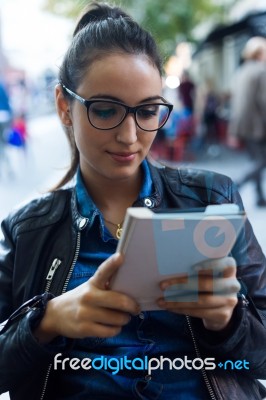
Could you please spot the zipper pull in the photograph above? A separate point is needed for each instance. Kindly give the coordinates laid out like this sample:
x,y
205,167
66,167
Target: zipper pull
x,y
244,300
53,268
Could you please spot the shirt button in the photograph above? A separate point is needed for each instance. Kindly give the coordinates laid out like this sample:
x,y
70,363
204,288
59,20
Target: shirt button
x,y
82,223
141,315
148,202
148,378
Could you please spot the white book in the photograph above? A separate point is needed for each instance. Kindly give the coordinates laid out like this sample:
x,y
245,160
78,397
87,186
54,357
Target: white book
x,y
161,245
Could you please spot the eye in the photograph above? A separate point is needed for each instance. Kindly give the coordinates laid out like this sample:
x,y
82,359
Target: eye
x,y
103,110
148,111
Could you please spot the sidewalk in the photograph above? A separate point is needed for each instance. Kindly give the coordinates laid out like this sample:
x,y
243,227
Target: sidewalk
x,y
30,173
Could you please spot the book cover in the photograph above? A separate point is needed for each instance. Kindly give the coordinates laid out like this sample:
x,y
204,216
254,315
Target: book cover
x,y
161,245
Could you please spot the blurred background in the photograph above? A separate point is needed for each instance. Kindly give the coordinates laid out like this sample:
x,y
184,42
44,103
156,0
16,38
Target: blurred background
x,y
201,41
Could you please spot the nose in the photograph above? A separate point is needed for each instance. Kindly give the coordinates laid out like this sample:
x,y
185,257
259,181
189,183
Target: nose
x,y
127,131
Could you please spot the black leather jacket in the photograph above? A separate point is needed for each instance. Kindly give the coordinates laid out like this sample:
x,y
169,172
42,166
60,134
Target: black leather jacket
x,y
48,229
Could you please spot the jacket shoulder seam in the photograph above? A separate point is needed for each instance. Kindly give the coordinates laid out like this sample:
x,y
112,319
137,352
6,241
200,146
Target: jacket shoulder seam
x,y
192,177
32,210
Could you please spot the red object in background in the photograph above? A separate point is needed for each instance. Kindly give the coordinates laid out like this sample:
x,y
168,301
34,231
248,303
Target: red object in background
x,y
19,125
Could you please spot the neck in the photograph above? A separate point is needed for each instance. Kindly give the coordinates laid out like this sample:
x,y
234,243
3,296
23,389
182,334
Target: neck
x,y
114,197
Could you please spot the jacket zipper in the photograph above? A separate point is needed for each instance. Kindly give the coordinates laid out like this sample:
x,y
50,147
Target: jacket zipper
x,y
49,279
203,371
73,263
50,275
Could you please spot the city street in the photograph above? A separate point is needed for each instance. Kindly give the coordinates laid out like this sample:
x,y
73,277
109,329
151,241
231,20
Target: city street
x,y
30,173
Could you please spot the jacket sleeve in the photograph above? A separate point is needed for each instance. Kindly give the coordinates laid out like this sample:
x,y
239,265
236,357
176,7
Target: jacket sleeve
x,y
245,337
21,354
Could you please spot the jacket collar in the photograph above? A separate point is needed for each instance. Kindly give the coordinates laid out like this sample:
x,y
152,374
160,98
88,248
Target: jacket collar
x,y
150,196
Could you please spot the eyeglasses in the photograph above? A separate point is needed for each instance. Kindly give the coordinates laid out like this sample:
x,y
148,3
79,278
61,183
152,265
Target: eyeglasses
x,y
108,114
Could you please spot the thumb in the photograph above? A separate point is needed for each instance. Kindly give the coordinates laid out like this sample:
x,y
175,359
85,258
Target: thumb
x,y
106,270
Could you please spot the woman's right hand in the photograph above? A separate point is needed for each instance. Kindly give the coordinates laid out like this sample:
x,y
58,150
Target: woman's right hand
x,y
90,309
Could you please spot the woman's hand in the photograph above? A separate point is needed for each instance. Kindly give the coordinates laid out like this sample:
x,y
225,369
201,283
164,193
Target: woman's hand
x,y
91,309
214,290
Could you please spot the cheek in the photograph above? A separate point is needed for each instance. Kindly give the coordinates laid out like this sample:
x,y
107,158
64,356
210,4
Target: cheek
x,y
83,139
147,139
85,143
90,142
83,136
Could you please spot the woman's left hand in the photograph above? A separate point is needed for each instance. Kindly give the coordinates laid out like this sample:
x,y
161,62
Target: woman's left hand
x,y
214,288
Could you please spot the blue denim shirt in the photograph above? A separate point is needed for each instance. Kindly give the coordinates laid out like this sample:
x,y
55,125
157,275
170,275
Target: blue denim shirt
x,y
149,335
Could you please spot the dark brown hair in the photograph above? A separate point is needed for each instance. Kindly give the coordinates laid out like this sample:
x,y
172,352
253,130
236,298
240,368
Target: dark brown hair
x,y
102,29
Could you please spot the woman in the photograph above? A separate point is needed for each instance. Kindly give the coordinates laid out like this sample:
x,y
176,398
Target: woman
x,y
58,254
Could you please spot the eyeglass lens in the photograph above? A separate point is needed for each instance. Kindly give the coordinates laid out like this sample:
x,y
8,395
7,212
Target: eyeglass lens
x,y
107,115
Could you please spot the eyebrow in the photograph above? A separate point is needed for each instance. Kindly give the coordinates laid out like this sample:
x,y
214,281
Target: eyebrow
x,y
107,97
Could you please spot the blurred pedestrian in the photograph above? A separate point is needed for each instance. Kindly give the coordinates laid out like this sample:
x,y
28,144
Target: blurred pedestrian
x,y
186,127
210,119
186,91
5,123
248,113
19,130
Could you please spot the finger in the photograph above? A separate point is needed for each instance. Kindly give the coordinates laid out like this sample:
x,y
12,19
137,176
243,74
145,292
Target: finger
x,y
203,303
106,270
226,286
99,330
218,286
110,317
112,300
229,272
225,266
216,266
199,286
214,319
177,280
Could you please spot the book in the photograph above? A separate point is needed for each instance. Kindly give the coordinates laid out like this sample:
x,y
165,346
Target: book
x,y
164,244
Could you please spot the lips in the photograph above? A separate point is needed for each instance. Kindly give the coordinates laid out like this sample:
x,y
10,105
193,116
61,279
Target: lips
x,y
123,157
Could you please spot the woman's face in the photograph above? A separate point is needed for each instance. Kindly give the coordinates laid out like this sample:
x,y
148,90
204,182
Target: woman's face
x,y
116,153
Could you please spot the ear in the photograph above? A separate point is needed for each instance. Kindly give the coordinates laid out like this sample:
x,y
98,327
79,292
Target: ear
x,y
62,106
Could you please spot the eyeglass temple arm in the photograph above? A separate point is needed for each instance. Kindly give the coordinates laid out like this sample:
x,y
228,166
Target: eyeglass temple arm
x,y
73,94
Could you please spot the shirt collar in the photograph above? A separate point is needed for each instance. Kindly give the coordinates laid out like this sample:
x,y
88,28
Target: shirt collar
x,y
147,184
87,208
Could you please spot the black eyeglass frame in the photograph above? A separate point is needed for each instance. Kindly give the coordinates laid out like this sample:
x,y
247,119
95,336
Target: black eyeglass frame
x,y
133,110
